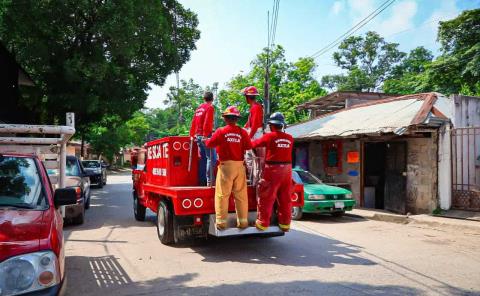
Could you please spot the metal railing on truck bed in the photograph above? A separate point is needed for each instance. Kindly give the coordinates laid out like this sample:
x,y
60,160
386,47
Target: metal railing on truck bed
x,y
51,147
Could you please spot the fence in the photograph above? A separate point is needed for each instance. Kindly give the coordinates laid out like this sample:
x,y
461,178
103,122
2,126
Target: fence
x,y
466,168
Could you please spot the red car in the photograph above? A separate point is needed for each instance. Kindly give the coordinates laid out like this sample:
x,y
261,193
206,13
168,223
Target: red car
x,y
32,251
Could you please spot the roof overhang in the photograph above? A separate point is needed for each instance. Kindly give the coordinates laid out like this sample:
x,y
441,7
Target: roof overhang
x,y
395,116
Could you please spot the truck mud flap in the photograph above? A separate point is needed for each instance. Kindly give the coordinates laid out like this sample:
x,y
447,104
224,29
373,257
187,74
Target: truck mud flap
x,y
232,230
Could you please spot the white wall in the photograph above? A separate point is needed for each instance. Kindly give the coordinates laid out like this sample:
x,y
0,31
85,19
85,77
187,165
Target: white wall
x,y
444,168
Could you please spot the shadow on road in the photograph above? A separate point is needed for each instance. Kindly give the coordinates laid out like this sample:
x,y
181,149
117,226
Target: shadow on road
x,y
105,276
297,248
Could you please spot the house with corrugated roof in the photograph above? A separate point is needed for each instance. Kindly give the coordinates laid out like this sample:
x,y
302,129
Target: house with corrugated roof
x,y
391,152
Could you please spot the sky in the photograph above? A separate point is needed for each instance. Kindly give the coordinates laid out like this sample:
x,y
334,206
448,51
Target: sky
x,y
233,32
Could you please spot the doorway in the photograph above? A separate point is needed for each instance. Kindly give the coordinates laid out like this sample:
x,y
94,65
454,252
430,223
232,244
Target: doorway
x,y
384,176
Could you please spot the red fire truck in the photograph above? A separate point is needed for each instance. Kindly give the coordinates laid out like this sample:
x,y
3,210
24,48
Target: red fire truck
x,y
165,181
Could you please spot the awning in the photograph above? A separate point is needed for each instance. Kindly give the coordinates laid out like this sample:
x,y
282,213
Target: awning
x,y
395,115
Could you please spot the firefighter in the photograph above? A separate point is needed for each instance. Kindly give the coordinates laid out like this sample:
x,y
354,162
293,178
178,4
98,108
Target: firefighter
x,y
254,127
201,128
231,142
276,181
254,123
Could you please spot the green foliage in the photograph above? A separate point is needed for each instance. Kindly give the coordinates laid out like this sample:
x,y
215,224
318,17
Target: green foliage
x,y
290,85
458,68
96,58
410,76
369,61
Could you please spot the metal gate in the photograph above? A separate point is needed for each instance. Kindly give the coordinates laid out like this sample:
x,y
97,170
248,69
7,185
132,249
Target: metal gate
x,y
466,168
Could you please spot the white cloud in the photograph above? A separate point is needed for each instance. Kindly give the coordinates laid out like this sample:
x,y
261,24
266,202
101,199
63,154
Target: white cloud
x,y
447,10
337,7
401,18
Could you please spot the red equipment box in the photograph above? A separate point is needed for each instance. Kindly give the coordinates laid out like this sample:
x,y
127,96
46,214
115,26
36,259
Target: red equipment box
x,y
167,162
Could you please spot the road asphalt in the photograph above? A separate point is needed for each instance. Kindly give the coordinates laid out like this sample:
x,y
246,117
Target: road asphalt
x,y
112,254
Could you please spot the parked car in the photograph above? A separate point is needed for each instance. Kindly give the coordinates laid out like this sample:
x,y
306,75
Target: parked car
x,y
77,176
32,255
97,171
320,198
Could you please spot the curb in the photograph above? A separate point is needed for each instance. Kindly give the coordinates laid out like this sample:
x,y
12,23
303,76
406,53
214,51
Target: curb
x,y
458,225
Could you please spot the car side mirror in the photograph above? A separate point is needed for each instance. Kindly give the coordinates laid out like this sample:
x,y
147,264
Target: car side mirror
x,y
66,196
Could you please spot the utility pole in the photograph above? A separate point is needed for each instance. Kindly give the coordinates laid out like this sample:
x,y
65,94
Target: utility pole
x,y
266,86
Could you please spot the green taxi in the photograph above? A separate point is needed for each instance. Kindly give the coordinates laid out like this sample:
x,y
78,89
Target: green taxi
x,y
320,198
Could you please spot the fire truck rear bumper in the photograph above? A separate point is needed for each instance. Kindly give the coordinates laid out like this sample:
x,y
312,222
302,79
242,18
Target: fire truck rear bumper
x,y
232,230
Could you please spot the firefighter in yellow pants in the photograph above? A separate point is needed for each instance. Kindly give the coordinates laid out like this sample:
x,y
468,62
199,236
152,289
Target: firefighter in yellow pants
x,y
231,142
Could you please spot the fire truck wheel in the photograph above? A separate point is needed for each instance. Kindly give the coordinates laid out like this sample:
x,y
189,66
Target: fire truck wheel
x,y
138,209
165,224
297,213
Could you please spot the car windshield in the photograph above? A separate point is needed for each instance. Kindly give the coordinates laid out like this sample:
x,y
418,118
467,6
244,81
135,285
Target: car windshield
x,y
20,183
91,164
304,177
72,168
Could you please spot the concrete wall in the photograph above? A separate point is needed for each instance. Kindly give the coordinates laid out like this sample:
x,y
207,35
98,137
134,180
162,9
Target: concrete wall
x,y
444,168
316,165
422,174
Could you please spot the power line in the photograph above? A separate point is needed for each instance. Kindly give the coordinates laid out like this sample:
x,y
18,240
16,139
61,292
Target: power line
x,y
275,18
354,29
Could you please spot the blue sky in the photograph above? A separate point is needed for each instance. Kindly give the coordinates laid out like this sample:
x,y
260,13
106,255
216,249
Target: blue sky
x,y
233,32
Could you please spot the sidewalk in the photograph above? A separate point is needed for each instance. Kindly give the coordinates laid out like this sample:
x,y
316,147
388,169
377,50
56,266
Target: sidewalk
x,y
418,220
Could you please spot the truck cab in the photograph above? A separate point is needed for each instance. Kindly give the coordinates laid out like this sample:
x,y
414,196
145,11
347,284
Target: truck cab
x,y
165,180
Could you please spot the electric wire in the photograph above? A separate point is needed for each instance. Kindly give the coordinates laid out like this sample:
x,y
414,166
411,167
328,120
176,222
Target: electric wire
x,y
354,29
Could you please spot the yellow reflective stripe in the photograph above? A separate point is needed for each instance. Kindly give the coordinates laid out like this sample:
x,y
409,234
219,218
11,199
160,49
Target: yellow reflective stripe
x,y
260,226
284,226
221,220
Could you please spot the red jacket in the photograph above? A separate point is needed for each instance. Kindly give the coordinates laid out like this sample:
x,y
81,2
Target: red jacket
x,y
279,146
255,118
231,141
202,121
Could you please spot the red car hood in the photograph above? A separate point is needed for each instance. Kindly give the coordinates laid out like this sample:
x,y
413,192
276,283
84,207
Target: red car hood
x,y
21,232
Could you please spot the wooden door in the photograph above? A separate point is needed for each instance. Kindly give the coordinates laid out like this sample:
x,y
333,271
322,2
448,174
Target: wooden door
x,y
396,177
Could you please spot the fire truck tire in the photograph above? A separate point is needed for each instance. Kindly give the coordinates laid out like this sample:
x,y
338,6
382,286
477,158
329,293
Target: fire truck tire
x,y
297,213
138,209
165,229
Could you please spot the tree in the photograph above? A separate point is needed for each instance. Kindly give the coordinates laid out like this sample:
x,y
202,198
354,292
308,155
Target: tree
x,y
299,87
410,76
290,84
457,69
112,133
369,61
96,57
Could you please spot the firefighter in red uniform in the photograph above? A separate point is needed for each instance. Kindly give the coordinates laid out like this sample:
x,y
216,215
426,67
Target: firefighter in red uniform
x,y
201,128
231,141
254,127
255,117
276,181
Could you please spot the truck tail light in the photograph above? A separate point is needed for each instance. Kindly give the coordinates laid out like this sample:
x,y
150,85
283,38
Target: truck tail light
x,y
198,203
78,192
186,203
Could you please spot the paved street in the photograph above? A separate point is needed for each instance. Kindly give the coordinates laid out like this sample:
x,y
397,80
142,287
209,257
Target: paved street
x,y
112,254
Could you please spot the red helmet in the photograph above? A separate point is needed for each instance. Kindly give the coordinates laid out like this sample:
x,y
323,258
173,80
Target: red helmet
x,y
250,91
232,111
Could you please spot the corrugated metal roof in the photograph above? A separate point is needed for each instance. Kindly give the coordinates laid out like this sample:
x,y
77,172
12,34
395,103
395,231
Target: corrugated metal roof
x,y
388,116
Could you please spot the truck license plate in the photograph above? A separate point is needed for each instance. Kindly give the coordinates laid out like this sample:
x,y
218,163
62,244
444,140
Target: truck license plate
x,y
339,205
